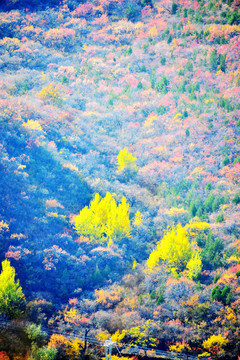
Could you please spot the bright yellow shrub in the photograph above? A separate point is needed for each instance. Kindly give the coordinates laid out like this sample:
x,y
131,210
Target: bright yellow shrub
x,y
32,125
50,92
179,347
215,343
176,211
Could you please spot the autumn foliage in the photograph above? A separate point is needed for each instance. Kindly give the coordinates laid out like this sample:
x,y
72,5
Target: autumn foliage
x,y
119,185
104,220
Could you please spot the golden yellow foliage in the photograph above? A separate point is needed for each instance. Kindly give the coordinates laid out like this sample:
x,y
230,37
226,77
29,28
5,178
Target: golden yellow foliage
x,y
11,44
215,342
177,251
50,92
192,302
233,258
194,265
71,316
227,278
107,298
126,160
197,171
56,215
138,218
160,149
32,125
151,117
139,25
21,167
195,226
130,302
177,116
11,295
18,236
59,37
179,347
73,350
176,211
90,113
204,354
207,101
118,336
115,357
104,220
103,335
174,248
134,264
222,30
3,226
153,32
140,334
57,341
231,316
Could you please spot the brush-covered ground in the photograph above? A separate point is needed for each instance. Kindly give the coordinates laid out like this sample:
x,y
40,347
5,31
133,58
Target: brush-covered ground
x,y
129,110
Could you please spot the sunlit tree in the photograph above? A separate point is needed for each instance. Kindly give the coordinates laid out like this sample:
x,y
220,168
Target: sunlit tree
x,y
104,220
11,295
126,161
178,251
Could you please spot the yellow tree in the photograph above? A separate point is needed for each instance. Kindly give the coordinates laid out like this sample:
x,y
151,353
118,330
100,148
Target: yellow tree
x,y
11,295
174,249
141,334
104,219
126,161
73,350
194,265
177,251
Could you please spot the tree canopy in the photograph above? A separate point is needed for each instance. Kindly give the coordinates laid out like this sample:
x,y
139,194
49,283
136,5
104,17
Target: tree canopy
x,y
104,219
11,294
178,251
126,160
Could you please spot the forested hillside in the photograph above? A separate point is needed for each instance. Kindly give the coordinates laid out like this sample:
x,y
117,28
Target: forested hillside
x,y
119,177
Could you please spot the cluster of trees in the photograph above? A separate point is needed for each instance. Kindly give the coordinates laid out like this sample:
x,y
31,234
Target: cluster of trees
x,y
178,251
104,220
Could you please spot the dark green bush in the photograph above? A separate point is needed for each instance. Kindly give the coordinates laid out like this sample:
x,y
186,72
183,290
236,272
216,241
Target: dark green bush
x,y
226,161
236,199
174,8
163,60
220,218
